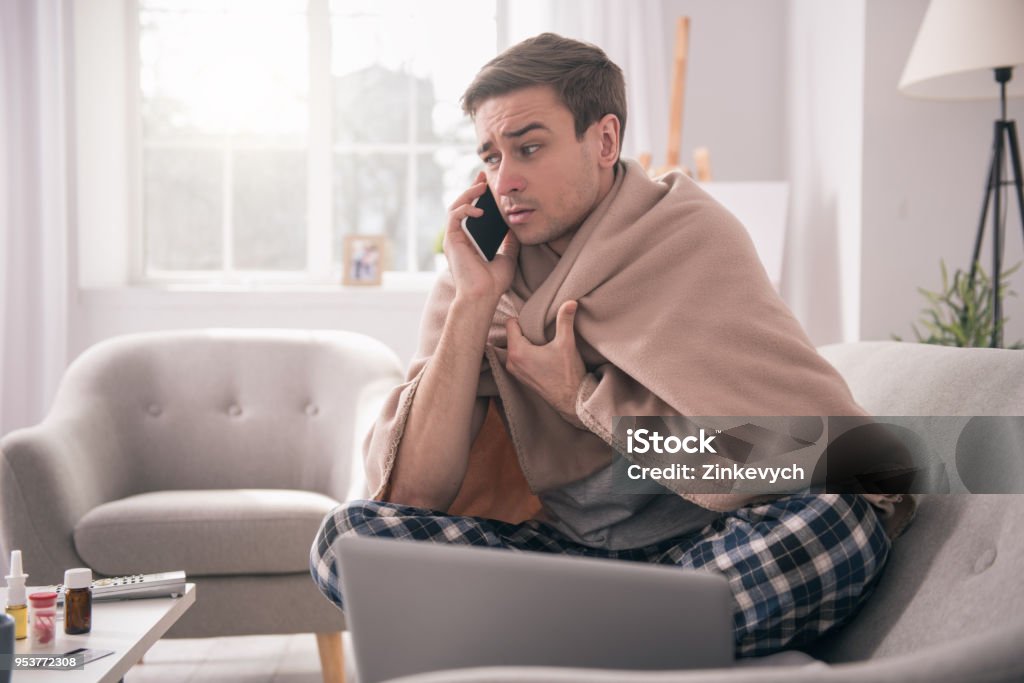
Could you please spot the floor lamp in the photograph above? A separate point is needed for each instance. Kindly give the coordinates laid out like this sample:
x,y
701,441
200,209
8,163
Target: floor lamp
x,y
967,49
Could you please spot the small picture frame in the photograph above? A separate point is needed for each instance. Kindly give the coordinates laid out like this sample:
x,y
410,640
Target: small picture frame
x,y
364,259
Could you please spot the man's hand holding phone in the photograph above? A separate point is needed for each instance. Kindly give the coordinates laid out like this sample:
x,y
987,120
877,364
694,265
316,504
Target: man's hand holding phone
x,y
433,455
476,278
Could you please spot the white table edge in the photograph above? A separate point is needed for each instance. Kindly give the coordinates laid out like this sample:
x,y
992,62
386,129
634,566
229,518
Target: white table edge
x,y
114,667
135,653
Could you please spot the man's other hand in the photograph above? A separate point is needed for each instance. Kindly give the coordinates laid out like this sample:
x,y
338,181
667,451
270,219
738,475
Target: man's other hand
x,y
475,278
553,370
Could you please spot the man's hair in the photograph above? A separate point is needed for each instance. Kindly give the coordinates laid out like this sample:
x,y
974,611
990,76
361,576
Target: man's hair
x,y
588,83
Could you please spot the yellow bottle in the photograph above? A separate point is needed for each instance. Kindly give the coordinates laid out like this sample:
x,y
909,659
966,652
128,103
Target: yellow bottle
x,y
20,615
16,606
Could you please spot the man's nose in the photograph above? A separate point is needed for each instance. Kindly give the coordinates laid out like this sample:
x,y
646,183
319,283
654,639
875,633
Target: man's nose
x,y
508,180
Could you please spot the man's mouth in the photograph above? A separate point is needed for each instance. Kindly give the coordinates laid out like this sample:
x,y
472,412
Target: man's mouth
x,y
518,215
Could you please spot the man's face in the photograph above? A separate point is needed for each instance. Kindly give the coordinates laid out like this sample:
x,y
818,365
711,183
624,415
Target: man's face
x,y
546,181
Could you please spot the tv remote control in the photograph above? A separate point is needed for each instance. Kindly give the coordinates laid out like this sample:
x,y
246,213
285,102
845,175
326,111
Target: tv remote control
x,y
166,584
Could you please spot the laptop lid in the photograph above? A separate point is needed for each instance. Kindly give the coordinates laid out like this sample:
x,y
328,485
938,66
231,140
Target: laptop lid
x,y
416,606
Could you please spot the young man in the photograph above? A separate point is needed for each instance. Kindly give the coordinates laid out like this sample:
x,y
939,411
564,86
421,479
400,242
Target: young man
x,y
612,295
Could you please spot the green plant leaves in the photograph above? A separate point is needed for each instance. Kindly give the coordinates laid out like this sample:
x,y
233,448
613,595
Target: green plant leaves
x,y
960,313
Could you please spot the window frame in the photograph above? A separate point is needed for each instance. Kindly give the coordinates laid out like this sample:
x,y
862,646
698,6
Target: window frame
x,y
320,150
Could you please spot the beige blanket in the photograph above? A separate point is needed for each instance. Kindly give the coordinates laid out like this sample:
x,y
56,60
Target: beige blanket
x,y
676,317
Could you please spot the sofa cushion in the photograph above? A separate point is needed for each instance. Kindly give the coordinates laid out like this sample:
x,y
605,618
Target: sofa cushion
x,y
212,532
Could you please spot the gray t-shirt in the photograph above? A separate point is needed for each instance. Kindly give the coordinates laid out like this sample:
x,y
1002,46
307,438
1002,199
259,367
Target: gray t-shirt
x,y
591,513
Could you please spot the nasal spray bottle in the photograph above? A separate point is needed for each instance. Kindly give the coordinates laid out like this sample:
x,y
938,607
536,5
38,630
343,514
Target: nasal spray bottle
x,y
16,606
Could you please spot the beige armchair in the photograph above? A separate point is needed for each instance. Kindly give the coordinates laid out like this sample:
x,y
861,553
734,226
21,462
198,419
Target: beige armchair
x,y
217,452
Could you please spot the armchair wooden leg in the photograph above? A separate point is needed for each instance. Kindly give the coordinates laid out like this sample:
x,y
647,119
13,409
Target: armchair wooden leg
x,y
331,664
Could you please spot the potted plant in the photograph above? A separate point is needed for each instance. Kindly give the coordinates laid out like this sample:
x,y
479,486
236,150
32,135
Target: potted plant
x,y
960,313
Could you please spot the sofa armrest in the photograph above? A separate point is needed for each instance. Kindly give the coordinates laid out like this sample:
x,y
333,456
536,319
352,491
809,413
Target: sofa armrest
x,y
50,476
991,657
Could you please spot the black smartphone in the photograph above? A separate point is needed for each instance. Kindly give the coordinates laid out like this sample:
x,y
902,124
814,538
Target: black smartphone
x,y
488,231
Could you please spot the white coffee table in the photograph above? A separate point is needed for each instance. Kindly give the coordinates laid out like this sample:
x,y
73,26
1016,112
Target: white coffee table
x,y
128,627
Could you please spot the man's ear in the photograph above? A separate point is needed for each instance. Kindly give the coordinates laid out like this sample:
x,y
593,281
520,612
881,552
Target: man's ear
x,y
608,131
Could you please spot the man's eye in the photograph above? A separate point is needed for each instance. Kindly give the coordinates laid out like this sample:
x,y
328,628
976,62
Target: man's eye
x,y
530,149
491,159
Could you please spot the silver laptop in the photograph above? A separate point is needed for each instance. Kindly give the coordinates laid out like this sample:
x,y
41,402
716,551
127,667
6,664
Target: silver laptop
x,y
417,606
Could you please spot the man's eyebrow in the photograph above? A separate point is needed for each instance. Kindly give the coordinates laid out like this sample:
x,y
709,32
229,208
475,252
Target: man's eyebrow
x,y
536,125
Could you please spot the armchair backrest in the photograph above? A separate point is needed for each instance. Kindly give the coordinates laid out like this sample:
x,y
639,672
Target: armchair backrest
x,y
205,409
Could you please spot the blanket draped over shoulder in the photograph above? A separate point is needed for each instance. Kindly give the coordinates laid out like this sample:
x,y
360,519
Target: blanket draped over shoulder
x,y
676,317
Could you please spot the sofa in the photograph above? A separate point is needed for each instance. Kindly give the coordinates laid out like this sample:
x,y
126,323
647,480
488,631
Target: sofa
x,y
950,606
217,452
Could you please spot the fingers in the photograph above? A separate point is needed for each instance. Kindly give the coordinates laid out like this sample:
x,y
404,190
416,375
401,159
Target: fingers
x,y
456,215
517,343
463,206
564,322
474,191
564,331
509,246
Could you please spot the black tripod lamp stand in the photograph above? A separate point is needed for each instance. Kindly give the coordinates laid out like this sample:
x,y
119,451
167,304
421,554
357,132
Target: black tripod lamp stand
x,y
960,44
1005,147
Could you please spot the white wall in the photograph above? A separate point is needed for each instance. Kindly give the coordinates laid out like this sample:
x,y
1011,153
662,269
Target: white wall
x,y
925,165
883,185
734,99
825,106
735,88
392,316
100,105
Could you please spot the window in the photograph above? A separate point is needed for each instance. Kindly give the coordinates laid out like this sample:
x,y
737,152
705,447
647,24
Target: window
x,y
269,129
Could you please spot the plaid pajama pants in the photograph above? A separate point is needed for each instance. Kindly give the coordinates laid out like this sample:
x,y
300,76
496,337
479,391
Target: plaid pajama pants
x,y
798,566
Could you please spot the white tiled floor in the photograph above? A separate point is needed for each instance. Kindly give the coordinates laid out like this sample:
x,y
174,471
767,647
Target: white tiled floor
x,y
248,659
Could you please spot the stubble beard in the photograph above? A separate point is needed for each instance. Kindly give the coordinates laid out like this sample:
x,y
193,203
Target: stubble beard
x,y
584,201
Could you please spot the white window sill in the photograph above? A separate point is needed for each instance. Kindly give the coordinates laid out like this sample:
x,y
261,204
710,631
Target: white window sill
x,y
394,281
398,291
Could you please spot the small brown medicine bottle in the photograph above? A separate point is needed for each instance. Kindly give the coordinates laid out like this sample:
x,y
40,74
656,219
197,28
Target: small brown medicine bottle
x,y
77,601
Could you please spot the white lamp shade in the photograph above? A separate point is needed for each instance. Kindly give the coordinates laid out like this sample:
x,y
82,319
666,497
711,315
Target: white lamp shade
x,y
959,44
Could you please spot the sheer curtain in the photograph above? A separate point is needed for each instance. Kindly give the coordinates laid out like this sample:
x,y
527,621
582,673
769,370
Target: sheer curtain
x,y
34,266
624,31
